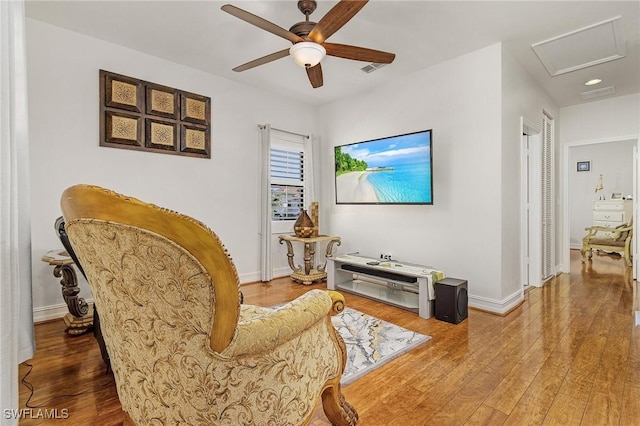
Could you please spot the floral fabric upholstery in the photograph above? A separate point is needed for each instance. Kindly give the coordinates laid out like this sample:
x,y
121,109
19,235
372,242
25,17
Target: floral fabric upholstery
x,y
156,307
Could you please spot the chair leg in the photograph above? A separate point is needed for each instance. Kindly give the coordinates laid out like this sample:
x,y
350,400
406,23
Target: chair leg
x,y
338,410
583,252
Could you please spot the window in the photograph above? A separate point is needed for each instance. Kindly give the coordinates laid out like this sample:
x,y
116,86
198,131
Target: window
x,y
287,181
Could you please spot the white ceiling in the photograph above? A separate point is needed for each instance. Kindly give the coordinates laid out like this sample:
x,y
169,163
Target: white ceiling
x,y
421,34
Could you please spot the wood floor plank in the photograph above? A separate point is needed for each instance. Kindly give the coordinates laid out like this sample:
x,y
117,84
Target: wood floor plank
x,y
486,416
605,402
565,411
533,406
633,365
569,354
630,405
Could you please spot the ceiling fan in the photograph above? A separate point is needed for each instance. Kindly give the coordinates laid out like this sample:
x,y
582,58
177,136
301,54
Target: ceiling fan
x,y
308,38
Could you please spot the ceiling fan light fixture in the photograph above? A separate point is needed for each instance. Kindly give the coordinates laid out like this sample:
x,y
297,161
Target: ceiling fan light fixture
x,y
307,53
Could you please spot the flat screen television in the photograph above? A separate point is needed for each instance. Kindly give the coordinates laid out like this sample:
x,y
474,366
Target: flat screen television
x,y
392,170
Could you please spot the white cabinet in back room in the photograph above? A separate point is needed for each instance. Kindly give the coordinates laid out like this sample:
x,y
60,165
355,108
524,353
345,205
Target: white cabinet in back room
x,y
612,213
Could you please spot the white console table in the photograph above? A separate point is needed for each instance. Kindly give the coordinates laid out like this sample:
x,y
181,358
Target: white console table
x,y
404,285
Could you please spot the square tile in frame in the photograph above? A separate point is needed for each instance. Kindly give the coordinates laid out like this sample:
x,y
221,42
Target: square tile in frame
x,y
195,108
121,92
162,101
161,135
121,128
195,140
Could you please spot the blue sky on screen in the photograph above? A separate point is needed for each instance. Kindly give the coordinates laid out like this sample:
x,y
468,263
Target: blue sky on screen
x,y
391,150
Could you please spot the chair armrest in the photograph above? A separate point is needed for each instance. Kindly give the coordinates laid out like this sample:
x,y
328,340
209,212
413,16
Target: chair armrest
x,y
264,333
595,229
615,232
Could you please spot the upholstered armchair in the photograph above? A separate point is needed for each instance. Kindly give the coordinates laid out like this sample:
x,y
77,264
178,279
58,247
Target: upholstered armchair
x,y
183,350
97,331
616,240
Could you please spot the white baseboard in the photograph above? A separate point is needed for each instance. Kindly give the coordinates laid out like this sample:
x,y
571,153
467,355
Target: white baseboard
x,y
249,278
281,272
500,307
47,313
253,277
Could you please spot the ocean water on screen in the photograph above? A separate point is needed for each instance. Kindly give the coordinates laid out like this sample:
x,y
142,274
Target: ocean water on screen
x,y
406,183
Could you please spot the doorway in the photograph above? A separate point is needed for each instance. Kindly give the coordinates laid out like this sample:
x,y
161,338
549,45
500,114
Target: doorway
x,y
531,205
616,159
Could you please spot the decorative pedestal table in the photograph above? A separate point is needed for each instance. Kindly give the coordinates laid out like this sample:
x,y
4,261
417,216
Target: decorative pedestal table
x,y
309,273
80,316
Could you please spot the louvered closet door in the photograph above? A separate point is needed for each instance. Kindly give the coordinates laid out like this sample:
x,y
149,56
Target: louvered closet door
x,y
548,240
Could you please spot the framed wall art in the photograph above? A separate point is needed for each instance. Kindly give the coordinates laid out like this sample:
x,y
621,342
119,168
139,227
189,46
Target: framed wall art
x,y
143,116
584,166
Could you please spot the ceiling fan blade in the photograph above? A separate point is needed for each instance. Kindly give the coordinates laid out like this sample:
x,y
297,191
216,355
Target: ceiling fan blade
x,y
359,53
339,15
315,76
262,61
261,23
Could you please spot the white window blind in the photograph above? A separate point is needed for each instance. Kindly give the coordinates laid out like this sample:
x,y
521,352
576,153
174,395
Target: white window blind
x,y
287,159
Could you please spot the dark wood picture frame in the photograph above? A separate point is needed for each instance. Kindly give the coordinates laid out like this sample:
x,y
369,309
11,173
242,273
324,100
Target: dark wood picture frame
x,y
195,108
195,139
161,134
162,101
122,128
123,92
143,116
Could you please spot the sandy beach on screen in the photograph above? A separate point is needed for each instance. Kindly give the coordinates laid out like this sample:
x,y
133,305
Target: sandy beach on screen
x,y
354,187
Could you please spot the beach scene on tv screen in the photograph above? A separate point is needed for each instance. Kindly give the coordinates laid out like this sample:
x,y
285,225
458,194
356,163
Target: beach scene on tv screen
x,y
390,170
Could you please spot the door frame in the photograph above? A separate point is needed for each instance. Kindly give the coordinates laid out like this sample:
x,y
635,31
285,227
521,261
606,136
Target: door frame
x,y
530,213
565,166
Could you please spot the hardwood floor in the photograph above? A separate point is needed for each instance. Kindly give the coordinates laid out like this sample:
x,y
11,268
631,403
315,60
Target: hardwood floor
x,y
570,354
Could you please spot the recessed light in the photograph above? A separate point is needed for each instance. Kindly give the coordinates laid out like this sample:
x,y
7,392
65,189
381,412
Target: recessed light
x,y
593,81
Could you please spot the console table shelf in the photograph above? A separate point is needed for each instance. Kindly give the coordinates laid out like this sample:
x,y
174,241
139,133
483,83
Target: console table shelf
x,y
404,285
402,298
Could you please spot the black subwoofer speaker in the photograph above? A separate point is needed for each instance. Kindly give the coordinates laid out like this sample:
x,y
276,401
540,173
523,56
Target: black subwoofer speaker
x,y
451,300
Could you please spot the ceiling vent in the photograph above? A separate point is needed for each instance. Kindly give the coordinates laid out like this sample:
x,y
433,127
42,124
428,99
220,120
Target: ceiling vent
x,y
372,67
592,45
591,94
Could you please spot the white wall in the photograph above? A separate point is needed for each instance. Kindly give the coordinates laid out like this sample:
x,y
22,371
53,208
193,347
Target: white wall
x,y
605,119
521,97
222,191
461,232
615,162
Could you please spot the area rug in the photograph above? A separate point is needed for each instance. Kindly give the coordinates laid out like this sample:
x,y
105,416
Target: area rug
x,y
371,342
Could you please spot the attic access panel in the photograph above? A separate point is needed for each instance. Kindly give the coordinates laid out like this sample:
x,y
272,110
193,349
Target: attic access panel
x,y
592,45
